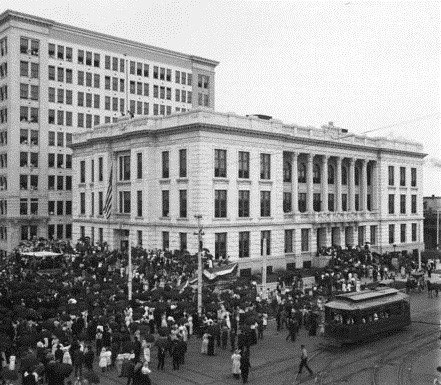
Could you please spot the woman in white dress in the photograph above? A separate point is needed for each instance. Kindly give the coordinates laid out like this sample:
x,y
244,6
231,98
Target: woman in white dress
x,y
236,363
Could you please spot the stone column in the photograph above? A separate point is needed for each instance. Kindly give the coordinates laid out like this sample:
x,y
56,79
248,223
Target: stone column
x,y
351,185
363,185
324,192
338,184
294,184
309,183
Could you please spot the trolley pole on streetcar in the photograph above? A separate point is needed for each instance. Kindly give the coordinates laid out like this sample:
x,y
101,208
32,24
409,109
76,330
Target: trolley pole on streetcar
x,y
437,228
264,263
199,234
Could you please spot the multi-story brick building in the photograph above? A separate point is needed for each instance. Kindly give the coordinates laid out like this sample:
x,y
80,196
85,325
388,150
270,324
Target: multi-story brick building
x,y
251,179
54,79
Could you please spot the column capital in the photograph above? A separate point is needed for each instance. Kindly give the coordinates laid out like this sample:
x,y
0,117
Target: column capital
x,y
310,157
325,158
338,159
351,161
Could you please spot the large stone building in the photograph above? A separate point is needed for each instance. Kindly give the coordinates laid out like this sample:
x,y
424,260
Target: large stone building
x,y
251,179
54,79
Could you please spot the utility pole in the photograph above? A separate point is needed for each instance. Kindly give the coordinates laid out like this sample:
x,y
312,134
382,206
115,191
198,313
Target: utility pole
x,y
264,263
437,228
129,277
199,234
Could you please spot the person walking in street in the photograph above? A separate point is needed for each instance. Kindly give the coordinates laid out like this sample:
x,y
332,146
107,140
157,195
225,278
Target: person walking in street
x,y
236,364
303,363
245,365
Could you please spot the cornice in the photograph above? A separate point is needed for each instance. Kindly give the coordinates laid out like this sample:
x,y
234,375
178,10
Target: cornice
x,y
10,14
121,127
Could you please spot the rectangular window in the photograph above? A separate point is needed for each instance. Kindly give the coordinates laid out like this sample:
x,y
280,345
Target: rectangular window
x,y
265,203
165,203
24,68
60,52
166,164
139,203
68,207
391,173
244,203
220,203
165,240
88,79
100,169
60,207
183,163
107,62
403,233
289,237
60,74
331,203
413,177
80,78
305,239
244,244
69,53
183,203
100,203
124,202
69,98
316,202
23,206
139,69
88,58
373,235
265,166
68,182
244,164
391,203
287,202
182,241
82,203
132,67
302,202
220,163
361,235
402,204
35,70
83,171
265,236
391,234
60,95
369,202
51,73
139,165
24,90
220,245
414,232
344,202
413,204
402,176
124,167
51,50
114,64
96,60
146,70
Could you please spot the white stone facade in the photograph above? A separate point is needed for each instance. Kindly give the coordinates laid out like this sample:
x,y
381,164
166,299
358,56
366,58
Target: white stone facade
x,y
301,163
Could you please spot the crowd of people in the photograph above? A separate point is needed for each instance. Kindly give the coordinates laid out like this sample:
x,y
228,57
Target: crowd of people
x,y
52,325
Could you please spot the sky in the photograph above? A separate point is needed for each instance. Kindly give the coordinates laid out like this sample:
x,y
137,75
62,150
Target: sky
x,y
362,65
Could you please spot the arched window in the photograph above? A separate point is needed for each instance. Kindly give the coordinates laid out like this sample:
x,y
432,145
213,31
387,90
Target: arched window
x,y
301,170
287,171
357,176
316,174
344,175
330,174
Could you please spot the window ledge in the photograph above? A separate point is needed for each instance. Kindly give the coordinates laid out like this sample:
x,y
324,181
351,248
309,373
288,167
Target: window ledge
x,y
244,219
139,218
123,182
164,218
164,181
181,219
265,182
226,219
182,180
266,218
221,180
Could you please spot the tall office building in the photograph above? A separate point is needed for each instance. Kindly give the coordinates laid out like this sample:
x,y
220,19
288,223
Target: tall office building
x,y
56,79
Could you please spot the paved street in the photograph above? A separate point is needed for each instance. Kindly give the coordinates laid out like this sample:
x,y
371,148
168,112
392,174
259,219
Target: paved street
x,y
407,357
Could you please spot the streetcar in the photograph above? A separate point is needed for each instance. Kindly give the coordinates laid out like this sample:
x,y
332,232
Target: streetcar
x,y
359,316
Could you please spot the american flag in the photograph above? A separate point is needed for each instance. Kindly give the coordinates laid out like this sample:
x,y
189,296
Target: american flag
x,y
108,201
